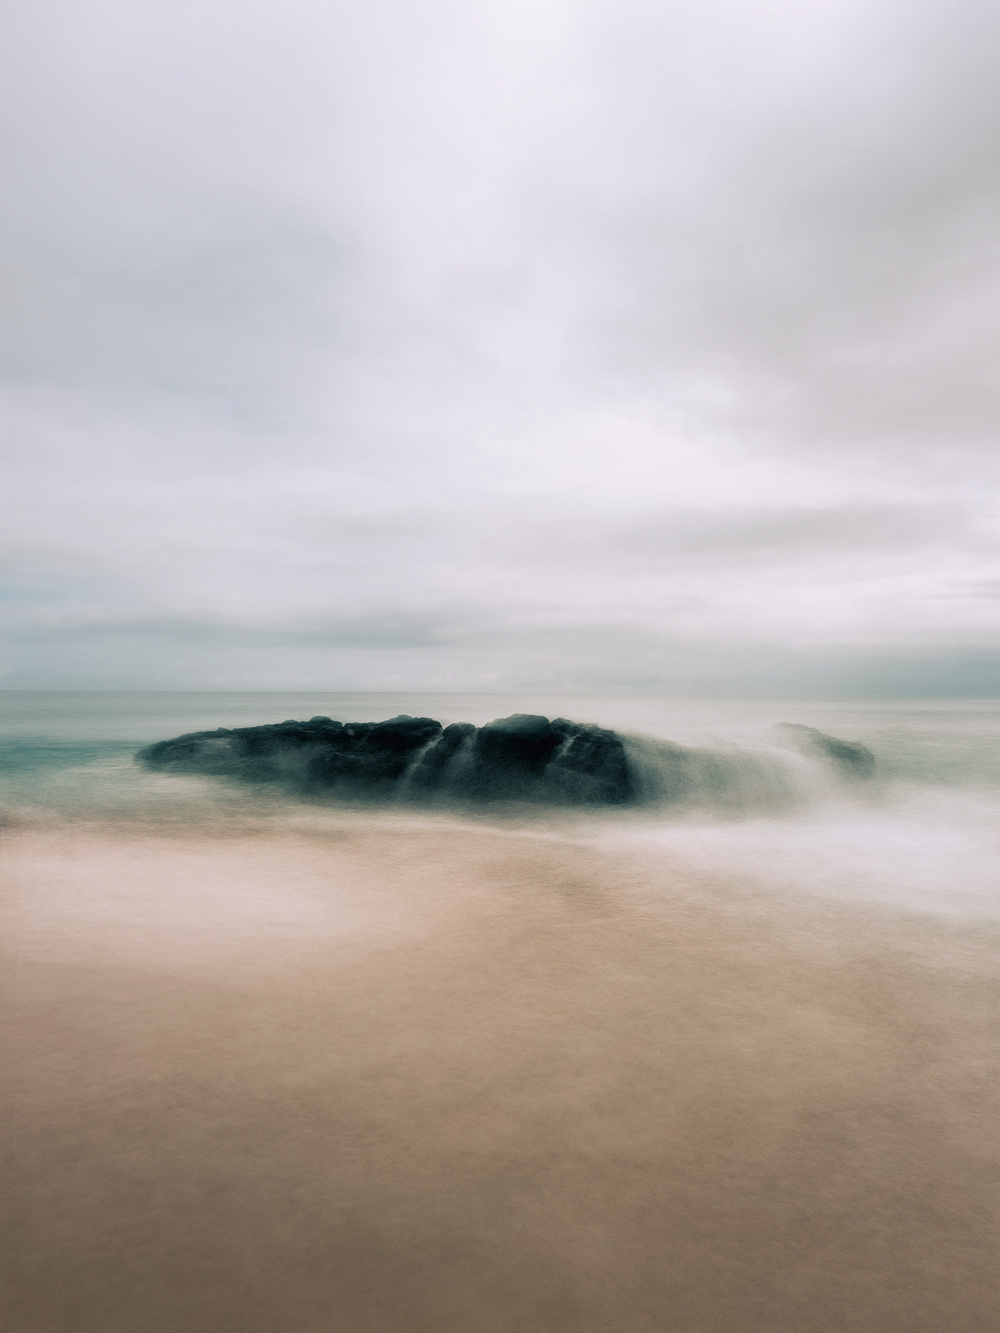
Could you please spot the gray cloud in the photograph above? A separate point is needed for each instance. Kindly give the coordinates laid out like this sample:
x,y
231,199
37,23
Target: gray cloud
x,y
771,533
497,341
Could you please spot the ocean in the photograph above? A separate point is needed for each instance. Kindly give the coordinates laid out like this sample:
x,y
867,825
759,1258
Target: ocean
x,y
723,1058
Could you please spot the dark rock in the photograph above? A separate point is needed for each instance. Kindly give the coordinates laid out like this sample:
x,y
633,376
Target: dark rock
x,y
520,758
526,757
523,758
370,754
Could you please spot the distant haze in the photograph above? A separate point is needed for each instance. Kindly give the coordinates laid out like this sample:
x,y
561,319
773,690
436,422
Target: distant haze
x,y
488,346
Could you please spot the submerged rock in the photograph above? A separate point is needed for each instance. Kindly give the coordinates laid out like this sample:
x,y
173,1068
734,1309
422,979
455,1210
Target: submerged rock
x,y
519,758
851,757
523,758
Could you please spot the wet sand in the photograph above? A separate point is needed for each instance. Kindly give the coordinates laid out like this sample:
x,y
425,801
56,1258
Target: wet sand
x,y
379,1077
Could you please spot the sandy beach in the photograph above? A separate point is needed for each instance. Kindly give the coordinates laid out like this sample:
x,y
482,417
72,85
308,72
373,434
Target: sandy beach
x,y
381,1075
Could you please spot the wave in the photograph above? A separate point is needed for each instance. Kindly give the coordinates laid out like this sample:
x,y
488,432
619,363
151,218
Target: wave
x,y
525,758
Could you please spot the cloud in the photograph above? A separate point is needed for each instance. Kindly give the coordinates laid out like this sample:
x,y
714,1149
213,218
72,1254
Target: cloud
x,y
464,325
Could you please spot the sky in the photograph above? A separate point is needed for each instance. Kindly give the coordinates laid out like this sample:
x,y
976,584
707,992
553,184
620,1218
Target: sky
x,y
438,345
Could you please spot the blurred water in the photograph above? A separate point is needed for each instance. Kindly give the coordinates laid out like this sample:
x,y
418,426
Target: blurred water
x,y
921,835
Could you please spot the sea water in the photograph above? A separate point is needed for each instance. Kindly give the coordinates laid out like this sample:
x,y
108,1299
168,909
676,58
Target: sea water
x,y
284,1062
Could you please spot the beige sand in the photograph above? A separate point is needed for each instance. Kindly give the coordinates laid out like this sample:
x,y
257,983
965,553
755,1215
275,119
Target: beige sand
x,y
401,1077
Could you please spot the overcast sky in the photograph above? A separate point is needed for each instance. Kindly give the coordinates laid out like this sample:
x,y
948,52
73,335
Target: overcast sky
x,y
494,345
